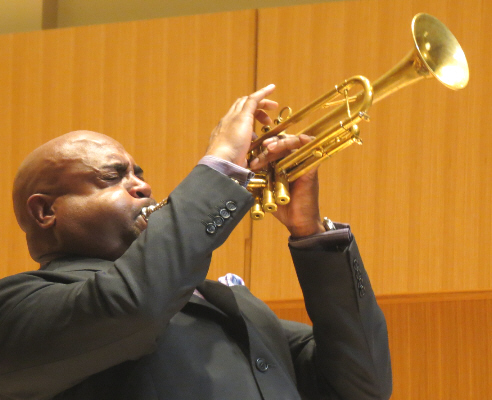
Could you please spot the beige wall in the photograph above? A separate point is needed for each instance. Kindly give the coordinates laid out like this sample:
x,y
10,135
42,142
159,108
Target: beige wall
x,y
20,15
27,15
86,12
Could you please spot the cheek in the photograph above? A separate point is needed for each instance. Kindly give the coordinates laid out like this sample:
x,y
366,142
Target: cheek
x,y
117,200
117,205
100,225
101,213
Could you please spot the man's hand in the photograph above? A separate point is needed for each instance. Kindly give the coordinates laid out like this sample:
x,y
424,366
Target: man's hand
x,y
231,138
301,216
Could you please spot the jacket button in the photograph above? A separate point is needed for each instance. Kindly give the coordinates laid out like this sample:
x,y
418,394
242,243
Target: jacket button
x,y
231,205
218,221
224,213
210,228
261,365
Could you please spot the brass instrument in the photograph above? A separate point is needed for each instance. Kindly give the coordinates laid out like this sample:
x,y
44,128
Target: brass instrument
x,y
437,54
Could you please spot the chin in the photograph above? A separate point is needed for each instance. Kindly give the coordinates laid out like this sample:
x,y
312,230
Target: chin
x,y
136,232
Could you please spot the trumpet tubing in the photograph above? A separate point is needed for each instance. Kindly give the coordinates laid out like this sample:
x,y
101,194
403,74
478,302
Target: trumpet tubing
x,y
436,53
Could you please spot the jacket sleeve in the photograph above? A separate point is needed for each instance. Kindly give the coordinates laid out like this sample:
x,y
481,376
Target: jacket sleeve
x,y
346,354
57,327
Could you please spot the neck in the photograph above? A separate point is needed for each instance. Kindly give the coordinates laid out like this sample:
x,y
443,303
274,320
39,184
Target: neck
x,y
42,249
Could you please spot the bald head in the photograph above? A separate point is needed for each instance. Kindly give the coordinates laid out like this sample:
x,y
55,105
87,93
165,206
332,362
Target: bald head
x,y
45,169
80,194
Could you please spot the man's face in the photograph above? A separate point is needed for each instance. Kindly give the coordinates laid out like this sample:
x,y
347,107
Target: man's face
x,y
98,214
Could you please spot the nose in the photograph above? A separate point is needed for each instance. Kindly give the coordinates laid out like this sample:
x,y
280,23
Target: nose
x,y
139,188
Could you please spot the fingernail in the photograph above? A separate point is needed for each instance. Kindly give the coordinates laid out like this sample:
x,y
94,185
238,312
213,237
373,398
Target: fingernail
x,y
254,162
272,146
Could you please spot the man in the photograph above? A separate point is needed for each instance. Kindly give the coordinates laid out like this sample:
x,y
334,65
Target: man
x,y
120,310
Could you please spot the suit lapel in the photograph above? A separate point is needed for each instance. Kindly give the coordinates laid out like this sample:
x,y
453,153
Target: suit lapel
x,y
198,301
222,297
243,312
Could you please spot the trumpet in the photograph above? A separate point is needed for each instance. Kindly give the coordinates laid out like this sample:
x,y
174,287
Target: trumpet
x,y
436,54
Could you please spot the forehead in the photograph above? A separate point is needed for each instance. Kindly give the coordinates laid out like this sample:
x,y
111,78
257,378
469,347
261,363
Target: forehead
x,y
97,153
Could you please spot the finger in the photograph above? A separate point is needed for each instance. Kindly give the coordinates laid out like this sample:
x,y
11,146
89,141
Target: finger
x,y
253,100
257,98
276,148
272,139
265,157
303,139
263,92
259,161
263,118
306,139
287,142
239,104
273,151
267,104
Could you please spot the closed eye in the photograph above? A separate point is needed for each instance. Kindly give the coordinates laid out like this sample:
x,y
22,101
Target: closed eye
x,y
138,171
111,177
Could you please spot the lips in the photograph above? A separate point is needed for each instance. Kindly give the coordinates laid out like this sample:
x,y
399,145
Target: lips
x,y
141,223
146,211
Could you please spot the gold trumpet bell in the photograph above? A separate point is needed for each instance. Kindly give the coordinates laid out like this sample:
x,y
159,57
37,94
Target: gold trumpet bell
x,y
440,51
437,54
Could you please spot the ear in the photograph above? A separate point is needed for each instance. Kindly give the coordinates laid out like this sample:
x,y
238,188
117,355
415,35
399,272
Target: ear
x,y
40,208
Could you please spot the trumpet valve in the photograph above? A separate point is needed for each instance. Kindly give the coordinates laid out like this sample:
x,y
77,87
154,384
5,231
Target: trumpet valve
x,y
282,195
269,205
256,211
268,199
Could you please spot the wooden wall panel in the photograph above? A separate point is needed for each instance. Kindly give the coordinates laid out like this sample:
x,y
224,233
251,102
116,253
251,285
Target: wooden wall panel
x,y
441,347
159,87
418,192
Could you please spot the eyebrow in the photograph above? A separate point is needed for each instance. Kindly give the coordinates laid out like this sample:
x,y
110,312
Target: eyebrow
x,y
137,170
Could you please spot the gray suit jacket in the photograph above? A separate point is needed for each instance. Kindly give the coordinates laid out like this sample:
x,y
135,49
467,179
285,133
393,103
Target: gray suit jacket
x,y
93,329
